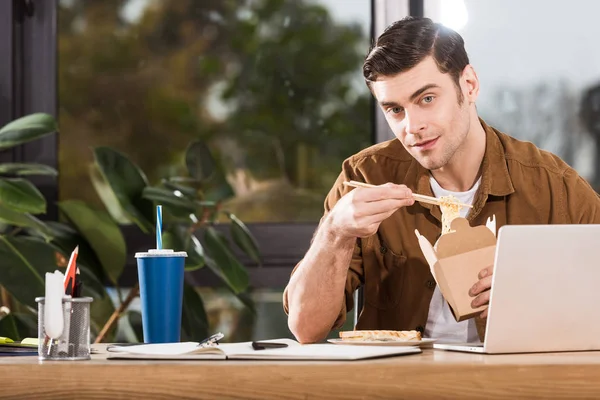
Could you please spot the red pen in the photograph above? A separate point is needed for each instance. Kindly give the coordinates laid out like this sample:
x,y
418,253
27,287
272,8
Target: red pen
x,y
70,273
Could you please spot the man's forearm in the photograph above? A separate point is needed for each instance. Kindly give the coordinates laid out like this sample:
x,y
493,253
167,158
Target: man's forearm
x,y
316,289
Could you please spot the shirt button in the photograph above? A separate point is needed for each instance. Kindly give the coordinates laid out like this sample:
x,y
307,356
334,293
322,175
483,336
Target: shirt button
x,y
420,329
430,284
383,249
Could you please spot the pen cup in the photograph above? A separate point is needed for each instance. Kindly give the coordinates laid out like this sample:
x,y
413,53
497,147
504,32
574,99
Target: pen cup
x,y
74,342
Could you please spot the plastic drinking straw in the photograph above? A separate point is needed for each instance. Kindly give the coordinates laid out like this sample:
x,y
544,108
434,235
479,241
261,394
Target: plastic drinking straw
x,y
159,227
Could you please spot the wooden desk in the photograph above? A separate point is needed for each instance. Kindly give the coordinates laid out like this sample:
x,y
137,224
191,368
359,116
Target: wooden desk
x,y
434,373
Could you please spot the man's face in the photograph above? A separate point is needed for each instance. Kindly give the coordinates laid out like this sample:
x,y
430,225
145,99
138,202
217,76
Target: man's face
x,y
424,110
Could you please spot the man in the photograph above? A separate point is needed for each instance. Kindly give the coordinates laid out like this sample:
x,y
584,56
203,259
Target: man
x,y
420,75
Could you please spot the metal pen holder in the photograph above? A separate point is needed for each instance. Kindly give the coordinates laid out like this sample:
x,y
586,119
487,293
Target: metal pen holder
x,y
74,343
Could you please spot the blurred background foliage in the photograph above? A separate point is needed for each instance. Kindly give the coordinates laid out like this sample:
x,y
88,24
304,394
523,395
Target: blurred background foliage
x,y
273,86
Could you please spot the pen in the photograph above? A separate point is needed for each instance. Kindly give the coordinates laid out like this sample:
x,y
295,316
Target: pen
x,y
77,286
211,340
69,281
268,345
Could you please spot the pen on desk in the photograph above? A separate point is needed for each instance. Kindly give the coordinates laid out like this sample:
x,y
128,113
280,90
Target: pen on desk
x,y
211,340
268,345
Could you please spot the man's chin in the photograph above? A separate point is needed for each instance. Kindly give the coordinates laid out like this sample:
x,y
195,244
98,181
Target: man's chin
x,y
430,163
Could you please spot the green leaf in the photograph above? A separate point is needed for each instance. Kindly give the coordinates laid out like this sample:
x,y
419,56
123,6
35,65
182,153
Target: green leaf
x,y
9,329
223,262
194,321
92,283
219,189
24,262
183,179
106,194
177,205
65,239
179,239
26,129
207,203
127,182
25,220
170,241
27,169
28,322
18,325
243,238
195,253
101,232
22,196
199,161
187,191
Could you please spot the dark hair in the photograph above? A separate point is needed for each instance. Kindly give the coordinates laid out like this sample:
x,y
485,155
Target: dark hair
x,y
407,42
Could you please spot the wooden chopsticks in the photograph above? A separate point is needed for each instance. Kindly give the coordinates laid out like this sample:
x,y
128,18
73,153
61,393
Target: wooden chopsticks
x,y
419,197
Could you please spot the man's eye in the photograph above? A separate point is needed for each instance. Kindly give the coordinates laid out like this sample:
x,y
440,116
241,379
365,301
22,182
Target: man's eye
x,y
427,99
397,110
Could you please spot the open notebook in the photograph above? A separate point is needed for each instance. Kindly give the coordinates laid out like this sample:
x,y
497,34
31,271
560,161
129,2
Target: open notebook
x,y
244,351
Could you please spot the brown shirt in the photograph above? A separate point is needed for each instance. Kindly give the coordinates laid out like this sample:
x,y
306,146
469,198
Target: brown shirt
x,y
520,184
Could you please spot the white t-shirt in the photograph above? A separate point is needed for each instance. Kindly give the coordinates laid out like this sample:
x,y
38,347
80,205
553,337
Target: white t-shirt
x,y
441,324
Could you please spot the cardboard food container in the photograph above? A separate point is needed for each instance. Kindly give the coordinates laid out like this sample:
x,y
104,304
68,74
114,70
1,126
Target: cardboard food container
x,y
456,261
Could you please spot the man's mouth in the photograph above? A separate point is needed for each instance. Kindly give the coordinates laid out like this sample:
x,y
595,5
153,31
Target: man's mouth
x,y
426,144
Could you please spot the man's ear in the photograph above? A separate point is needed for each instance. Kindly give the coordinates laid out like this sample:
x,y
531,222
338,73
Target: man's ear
x,y
469,83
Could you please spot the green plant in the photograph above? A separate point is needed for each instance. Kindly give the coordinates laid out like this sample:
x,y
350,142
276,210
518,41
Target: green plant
x,y
29,247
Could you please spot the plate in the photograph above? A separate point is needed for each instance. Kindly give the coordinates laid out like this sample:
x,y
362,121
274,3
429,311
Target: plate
x,y
421,343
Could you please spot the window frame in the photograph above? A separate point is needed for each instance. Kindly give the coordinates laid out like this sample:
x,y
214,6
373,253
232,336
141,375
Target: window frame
x,y
28,81
7,83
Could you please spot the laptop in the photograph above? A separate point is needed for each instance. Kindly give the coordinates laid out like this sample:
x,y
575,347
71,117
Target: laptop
x,y
545,294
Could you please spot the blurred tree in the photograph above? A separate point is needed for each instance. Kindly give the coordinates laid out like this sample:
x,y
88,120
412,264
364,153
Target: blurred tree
x,y
134,85
298,107
275,85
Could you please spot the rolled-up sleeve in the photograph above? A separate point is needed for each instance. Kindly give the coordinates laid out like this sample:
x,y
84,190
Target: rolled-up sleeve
x,y
355,275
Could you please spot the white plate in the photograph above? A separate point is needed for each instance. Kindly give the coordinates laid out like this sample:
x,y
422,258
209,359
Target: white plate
x,y
422,342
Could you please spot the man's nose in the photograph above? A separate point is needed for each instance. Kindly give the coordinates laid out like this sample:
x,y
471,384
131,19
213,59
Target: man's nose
x,y
415,123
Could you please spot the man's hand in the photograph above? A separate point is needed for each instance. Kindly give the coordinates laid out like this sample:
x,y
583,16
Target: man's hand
x,y
359,212
482,290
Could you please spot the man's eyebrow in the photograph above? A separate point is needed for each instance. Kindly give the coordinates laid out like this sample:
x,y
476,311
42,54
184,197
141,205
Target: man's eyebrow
x,y
389,104
423,89
412,97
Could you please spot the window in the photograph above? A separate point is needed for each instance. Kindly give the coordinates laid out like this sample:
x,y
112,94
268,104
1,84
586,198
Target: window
x,y
147,76
275,88
538,83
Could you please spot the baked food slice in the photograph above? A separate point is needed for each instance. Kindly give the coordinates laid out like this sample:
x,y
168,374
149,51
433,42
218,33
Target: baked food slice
x,y
367,335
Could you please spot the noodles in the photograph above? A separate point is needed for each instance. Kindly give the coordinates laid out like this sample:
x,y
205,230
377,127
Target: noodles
x,y
450,210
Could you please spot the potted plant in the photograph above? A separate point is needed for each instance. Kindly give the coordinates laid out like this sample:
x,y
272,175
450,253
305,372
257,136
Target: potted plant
x,y
29,247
